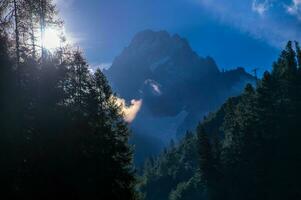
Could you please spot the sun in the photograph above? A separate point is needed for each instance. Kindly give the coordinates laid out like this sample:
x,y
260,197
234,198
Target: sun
x,y
52,39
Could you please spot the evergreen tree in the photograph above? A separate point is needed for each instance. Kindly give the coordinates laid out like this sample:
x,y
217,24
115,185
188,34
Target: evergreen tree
x,y
205,153
63,135
298,53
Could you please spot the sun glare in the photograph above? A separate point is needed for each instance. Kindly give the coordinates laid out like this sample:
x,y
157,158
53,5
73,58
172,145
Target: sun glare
x,y
52,39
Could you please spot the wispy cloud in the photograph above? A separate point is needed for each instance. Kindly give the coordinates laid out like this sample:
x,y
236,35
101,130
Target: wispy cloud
x,y
295,9
101,66
275,28
106,65
260,7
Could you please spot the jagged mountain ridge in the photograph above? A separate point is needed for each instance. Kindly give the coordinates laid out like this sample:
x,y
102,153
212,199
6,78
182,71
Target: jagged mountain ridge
x,y
177,86
154,56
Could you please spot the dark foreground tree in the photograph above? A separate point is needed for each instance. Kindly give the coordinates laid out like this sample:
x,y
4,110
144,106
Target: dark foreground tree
x,y
62,133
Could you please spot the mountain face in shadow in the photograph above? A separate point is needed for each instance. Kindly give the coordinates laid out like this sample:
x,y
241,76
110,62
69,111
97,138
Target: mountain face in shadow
x,y
177,86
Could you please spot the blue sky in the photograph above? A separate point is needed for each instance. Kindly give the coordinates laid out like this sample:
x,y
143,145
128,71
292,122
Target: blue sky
x,y
248,33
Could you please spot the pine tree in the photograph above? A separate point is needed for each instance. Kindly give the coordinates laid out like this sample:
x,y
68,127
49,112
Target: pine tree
x,y
208,163
205,153
65,136
298,53
286,65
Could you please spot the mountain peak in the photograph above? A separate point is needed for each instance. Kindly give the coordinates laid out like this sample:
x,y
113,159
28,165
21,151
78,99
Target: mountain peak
x,y
176,85
168,63
156,55
149,40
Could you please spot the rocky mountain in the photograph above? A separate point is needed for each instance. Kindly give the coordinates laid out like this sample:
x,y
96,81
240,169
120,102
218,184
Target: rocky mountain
x,y
177,87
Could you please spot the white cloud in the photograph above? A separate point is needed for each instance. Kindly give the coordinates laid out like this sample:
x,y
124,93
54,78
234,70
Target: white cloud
x,y
275,29
129,111
294,8
101,66
106,65
260,7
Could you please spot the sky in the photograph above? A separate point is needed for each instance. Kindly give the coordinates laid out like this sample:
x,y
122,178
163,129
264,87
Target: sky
x,y
247,33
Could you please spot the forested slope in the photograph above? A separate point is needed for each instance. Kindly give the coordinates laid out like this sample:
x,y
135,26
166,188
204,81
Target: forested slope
x,y
249,149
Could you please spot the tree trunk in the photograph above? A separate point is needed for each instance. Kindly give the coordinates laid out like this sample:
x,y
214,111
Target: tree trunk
x,y
32,37
17,32
42,27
